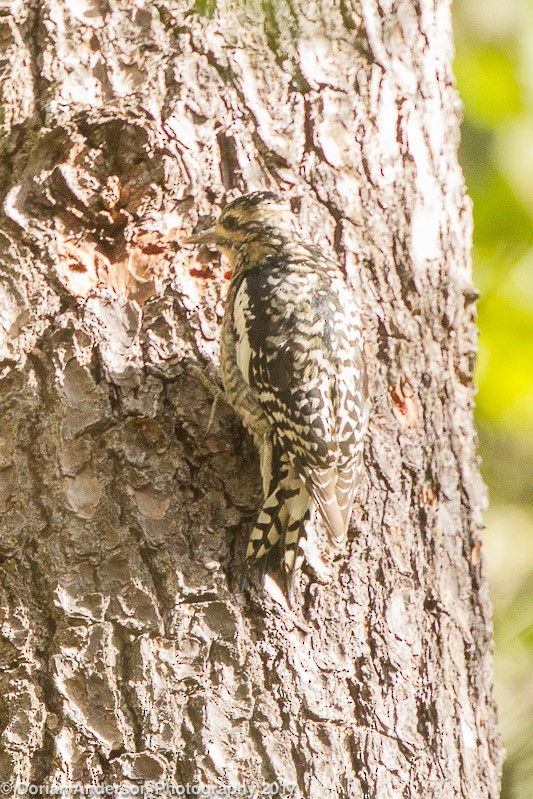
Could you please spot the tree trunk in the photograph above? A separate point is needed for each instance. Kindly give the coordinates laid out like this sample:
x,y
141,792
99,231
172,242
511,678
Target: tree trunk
x,y
128,652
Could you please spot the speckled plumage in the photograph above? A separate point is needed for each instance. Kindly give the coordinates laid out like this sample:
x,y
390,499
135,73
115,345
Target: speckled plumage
x,y
292,368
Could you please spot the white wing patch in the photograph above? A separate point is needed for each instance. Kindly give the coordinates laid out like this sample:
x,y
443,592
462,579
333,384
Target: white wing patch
x,y
241,313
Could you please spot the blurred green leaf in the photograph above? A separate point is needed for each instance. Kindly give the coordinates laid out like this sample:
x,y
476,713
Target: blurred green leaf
x,y
498,216
506,377
526,636
487,80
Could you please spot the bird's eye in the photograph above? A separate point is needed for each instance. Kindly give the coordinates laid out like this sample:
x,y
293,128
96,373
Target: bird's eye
x,y
230,223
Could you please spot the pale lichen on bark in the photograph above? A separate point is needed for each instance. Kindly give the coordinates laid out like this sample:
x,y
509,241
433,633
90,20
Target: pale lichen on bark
x,y
127,651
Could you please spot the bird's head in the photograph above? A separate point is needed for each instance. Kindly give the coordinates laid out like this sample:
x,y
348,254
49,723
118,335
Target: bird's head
x,y
250,228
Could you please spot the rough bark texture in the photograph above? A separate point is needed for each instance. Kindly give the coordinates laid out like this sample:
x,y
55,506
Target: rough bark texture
x,y
127,651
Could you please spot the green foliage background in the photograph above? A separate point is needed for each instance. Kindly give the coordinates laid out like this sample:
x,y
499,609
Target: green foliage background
x,y
494,72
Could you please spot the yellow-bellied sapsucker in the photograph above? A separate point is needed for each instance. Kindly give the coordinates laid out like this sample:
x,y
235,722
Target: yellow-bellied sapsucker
x,y
293,369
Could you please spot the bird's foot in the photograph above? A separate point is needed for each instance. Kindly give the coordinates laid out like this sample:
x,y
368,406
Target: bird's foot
x,y
212,388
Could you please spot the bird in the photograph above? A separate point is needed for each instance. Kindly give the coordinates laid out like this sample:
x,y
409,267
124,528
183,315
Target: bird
x,y
293,369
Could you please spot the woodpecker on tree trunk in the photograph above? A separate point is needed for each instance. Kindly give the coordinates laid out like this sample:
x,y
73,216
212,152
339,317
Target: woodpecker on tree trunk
x,y
293,369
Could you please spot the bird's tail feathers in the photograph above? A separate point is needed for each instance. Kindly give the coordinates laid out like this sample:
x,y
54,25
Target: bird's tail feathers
x,y
270,525
322,487
283,519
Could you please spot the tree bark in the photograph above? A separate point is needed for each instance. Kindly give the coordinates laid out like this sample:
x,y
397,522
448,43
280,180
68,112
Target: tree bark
x,y
128,652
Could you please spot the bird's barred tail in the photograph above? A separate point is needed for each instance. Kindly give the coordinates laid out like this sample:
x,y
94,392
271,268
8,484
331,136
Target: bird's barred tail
x,y
283,520
345,490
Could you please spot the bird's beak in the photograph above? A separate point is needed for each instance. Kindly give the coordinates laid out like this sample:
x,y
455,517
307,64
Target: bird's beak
x,y
203,237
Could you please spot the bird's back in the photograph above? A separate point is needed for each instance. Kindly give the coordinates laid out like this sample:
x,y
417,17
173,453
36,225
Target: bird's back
x,y
298,347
